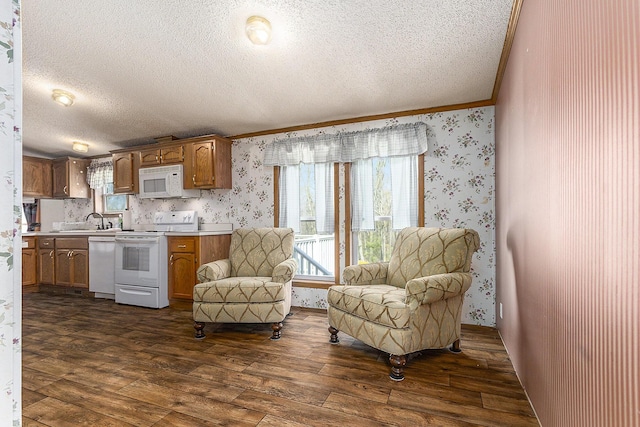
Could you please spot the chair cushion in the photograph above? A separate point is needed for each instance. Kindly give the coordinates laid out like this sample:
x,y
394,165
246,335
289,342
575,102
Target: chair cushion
x,y
240,289
381,304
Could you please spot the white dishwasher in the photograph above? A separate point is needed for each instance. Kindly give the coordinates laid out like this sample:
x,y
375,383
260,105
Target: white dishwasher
x,y
102,262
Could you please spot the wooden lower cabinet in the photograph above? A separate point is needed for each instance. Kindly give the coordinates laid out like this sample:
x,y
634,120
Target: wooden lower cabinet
x,y
72,262
29,261
46,261
186,254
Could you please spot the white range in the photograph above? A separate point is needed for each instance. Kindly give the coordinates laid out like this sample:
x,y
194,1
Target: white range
x,y
141,267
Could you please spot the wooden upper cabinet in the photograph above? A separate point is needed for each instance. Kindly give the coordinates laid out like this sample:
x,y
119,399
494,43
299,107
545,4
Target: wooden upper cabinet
x,y
70,178
36,177
162,156
208,163
125,172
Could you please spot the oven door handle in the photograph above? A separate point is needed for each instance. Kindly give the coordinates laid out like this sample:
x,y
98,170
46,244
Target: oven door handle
x,y
136,241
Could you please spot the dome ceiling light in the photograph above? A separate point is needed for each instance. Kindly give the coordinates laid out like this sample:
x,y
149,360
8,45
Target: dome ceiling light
x,y
258,30
80,147
63,97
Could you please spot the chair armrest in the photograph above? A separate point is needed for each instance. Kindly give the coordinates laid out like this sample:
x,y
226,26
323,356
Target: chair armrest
x,y
425,290
214,270
284,272
366,274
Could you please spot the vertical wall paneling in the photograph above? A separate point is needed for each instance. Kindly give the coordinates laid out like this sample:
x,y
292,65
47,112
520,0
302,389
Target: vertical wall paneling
x,y
568,179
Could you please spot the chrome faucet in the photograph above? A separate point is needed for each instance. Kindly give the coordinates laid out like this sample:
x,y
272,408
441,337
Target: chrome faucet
x,y
101,226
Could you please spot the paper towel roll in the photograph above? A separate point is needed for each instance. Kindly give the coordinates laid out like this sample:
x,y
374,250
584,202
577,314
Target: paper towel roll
x,y
126,220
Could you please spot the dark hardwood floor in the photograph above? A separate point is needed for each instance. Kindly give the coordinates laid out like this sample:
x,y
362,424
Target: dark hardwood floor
x,y
96,363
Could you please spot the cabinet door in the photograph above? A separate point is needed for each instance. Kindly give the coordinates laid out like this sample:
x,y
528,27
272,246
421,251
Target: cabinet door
x,y
78,186
202,164
46,266
124,173
29,267
149,157
182,266
182,274
36,177
172,155
208,164
60,174
79,268
63,267
46,261
70,178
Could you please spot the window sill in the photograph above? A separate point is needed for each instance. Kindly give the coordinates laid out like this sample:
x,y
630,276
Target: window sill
x,y
314,284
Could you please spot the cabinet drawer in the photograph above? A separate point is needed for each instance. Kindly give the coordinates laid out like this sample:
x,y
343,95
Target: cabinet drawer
x,y
46,243
72,243
182,244
28,243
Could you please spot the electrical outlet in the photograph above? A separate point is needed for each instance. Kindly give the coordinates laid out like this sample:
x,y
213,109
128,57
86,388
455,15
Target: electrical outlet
x,y
501,310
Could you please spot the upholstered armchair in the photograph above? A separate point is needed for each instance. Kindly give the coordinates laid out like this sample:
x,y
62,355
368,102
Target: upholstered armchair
x,y
252,286
411,303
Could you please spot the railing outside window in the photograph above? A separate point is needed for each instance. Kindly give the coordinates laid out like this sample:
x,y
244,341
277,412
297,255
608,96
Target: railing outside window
x,y
315,255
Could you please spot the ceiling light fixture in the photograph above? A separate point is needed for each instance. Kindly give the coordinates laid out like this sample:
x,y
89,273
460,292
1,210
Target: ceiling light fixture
x,y
63,97
258,30
80,147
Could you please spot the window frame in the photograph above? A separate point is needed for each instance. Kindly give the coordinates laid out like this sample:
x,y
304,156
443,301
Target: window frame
x,y
321,284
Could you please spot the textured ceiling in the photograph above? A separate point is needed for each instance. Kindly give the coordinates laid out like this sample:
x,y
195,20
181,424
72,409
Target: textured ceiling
x,y
147,68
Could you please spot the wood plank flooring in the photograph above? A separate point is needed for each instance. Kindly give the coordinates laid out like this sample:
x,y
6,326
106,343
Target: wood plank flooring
x,y
92,362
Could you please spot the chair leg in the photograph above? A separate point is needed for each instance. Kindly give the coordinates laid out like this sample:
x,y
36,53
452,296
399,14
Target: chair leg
x,y
455,347
397,366
276,326
334,335
199,327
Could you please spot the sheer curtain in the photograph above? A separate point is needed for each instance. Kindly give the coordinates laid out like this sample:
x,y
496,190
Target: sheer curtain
x,y
290,197
362,213
404,193
324,198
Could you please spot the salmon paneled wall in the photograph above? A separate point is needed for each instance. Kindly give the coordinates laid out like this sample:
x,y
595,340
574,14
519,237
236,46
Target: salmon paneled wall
x,y
568,209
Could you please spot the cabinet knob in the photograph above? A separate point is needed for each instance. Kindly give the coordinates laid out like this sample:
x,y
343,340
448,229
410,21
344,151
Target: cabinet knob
x,y
182,246
171,259
64,190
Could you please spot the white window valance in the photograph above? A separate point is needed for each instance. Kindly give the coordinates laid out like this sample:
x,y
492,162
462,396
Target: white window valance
x,y
391,141
100,173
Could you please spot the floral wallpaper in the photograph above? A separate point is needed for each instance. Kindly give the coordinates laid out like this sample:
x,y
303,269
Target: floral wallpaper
x,y
10,218
459,192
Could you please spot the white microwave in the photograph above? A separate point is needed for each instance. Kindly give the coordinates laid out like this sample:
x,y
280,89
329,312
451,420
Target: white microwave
x,y
163,182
